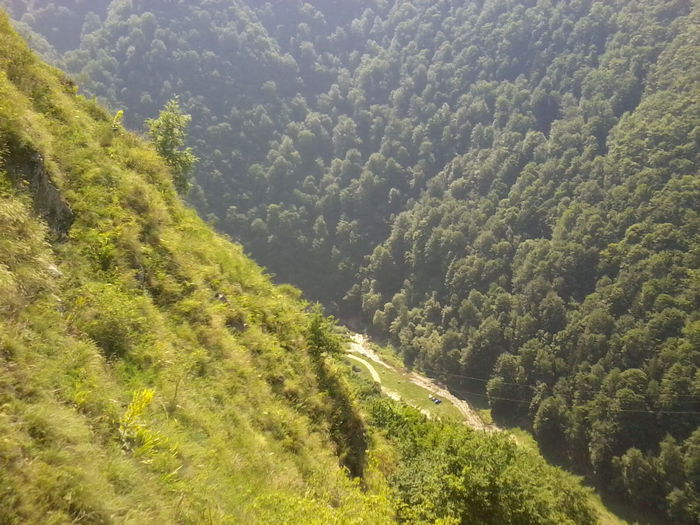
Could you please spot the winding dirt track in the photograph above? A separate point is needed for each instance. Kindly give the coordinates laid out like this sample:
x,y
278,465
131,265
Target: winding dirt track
x,y
375,376
372,370
471,418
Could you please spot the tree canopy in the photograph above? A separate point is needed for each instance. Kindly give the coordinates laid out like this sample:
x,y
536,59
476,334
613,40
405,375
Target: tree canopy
x,y
506,191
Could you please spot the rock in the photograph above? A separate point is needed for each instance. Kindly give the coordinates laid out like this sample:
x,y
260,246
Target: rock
x,y
48,201
54,271
28,165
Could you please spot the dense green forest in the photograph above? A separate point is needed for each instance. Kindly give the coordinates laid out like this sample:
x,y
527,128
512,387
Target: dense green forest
x,y
151,373
507,191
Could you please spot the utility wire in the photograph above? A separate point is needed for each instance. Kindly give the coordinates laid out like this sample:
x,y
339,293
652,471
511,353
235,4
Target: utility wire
x,y
522,401
482,380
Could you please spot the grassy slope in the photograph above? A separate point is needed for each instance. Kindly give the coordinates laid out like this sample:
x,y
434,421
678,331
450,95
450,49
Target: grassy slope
x,y
150,372
129,391
414,395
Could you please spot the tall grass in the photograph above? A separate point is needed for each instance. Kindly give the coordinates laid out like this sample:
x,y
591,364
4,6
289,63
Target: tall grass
x,y
149,371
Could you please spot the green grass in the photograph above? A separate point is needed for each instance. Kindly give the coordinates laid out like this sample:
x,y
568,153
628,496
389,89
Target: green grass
x,y
485,415
477,401
415,395
524,439
412,394
389,355
130,391
606,516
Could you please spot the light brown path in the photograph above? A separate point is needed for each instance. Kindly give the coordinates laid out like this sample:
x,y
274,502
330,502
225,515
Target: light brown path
x,y
372,370
471,418
375,376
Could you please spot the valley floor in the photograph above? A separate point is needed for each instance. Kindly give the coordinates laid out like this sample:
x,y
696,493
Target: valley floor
x,y
417,397
415,390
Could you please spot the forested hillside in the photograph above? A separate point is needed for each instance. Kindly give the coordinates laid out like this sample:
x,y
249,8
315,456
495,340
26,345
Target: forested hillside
x,y
151,373
507,191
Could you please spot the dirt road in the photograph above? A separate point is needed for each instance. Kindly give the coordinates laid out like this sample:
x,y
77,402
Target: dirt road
x,y
471,418
372,370
377,379
359,346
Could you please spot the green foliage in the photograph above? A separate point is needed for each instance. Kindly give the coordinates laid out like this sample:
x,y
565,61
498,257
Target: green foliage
x,y
150,446
168,135
449,474
117,120
115,321
149,371
505,190
321,336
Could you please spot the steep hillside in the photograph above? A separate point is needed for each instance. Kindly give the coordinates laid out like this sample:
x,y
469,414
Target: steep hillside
x,y
151,373
506,191
569,274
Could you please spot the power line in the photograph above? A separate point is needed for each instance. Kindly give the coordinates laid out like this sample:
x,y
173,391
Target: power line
x,y
483,380
660,412
522,401
490,398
